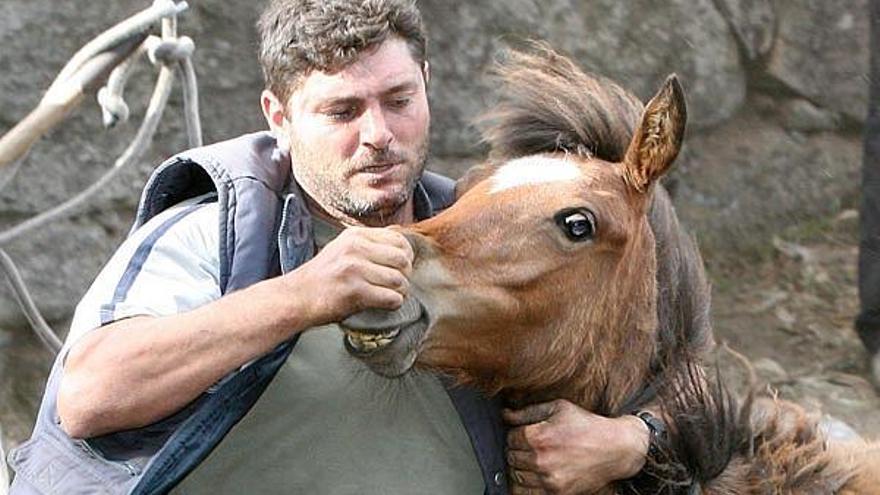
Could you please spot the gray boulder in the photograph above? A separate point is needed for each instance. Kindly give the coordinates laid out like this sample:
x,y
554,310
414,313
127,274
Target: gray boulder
x,y
464,39
740,184
753,22
821,52
4,472
799,114
637,43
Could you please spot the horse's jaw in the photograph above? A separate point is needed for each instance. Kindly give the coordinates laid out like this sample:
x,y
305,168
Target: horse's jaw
x,y
387,341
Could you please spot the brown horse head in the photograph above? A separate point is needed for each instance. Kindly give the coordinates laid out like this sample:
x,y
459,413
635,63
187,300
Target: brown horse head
x,y
540,279
561,272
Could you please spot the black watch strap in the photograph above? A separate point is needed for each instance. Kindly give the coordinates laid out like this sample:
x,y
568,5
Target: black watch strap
x,y
657,432
660,470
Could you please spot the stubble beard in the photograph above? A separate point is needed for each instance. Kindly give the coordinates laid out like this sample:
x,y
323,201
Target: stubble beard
x,y
325,180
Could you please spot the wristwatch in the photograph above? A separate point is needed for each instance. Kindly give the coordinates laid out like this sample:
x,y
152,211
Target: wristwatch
x,y
657,433
656,465
661,468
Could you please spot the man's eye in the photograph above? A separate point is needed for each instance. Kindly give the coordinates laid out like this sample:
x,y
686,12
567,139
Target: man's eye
x,y
400,102
341,114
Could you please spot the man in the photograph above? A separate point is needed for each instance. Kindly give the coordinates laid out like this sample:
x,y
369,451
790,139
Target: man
x,y
192,328
868,320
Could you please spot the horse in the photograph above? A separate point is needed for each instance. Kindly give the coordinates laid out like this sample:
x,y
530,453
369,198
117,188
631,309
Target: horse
x,y
561,272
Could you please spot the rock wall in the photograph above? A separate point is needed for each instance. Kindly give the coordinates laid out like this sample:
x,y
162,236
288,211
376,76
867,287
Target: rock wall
x,y
777,90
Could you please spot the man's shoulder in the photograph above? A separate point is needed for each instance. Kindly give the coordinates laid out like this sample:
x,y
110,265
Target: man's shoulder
x,y
168,265
198,213
191,228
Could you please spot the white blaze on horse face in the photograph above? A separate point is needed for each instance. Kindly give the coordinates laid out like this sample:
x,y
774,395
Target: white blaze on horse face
x,y
533,170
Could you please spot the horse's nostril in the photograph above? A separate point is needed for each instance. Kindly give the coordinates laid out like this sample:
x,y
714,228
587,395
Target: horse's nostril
x,y
416,241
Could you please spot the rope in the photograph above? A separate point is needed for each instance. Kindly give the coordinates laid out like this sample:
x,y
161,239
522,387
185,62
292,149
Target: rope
x,y
48,337
132,153
167,52
18,140
191,104
110,97
9,172
139,22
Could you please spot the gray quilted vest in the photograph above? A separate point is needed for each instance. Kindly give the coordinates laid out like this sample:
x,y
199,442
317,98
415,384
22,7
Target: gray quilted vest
x,y
265,230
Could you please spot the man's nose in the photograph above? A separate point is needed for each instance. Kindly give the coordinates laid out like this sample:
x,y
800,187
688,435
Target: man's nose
x,y
374,129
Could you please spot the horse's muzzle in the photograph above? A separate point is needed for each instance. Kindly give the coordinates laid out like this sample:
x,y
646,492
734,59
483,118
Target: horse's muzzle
x,y
387,341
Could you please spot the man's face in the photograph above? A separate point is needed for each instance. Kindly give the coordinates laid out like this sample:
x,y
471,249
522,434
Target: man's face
x,y
358,137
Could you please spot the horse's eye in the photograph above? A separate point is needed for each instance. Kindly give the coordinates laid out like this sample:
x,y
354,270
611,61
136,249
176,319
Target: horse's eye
x,y
578,225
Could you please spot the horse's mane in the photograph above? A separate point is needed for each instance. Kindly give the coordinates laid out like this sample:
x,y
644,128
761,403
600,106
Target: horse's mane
x,y
548,104
757,444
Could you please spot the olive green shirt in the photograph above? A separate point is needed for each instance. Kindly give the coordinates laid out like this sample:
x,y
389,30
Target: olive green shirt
x,y
328,425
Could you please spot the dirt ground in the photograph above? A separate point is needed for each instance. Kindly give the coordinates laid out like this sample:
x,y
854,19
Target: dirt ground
x,y
792,316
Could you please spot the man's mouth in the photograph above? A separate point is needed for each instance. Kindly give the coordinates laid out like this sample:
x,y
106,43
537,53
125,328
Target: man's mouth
x,y
380,168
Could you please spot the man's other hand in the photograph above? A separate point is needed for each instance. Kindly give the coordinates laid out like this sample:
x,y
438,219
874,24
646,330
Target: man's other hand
x,y
557,447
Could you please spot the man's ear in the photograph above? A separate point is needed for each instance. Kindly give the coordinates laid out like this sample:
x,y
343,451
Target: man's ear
x,y
276,116
426,72
273,111
658,137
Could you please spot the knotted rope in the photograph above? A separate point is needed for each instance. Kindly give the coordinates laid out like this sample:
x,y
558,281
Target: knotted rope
x,y
114,48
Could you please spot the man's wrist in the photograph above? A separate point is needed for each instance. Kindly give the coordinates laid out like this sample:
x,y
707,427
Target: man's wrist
x,y
295,308
636,453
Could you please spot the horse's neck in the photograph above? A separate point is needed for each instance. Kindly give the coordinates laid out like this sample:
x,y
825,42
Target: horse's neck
x,y
618,371
615,339
601,385
589,397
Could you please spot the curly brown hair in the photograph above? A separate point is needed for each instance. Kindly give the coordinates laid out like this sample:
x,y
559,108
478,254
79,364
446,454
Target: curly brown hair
x,y
299,36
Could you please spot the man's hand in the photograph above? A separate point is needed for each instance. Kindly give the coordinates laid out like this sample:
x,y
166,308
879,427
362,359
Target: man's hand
x,y
557,447
362,268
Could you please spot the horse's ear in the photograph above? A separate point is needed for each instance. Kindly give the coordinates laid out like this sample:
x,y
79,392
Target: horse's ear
x,y
658,137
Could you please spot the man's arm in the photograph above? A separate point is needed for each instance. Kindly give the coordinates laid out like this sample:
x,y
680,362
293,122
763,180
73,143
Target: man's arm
x,y
139,370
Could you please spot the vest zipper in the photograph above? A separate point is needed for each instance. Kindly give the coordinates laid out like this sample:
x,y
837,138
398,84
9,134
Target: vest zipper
x,y
282,234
